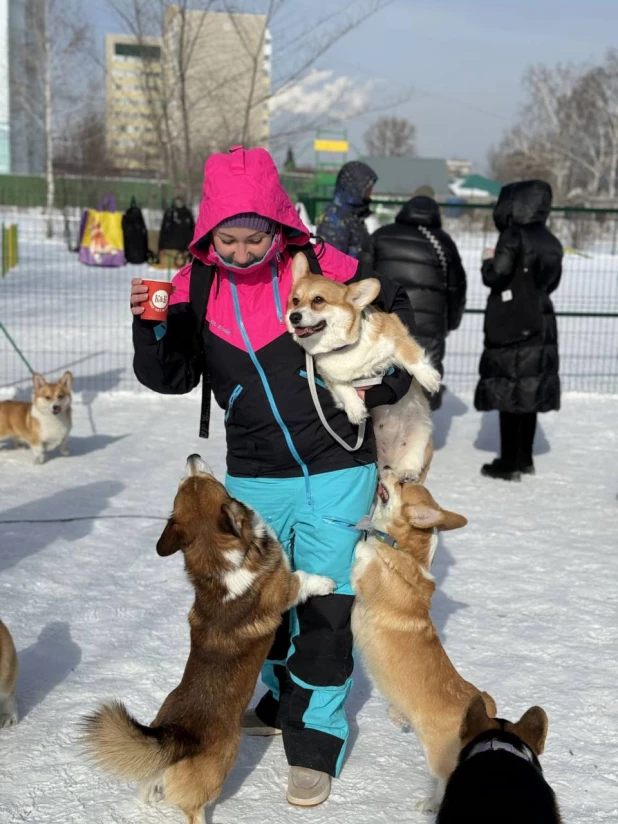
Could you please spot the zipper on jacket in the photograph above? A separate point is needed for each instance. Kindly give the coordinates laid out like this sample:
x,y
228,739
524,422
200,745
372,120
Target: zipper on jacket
x,y
268,390
275,283
235,393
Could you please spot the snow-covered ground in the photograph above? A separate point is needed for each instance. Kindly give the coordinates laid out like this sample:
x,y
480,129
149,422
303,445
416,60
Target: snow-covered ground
x,y
526,606
65,315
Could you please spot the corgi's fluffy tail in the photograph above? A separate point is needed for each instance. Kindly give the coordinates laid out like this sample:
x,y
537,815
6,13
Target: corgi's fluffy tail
x,y
121,745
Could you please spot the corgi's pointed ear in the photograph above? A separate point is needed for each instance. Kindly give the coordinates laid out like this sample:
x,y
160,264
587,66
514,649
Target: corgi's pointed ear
x,y
476,720
300,267
38,381
363,292
232,518
452,520
532,728
67,381
171,539
423,516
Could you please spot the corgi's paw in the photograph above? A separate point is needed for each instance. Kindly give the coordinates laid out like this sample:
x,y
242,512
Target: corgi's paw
x,y
7,720
409,476
39,457
8,712
151,791
427,376
398,718
427,805
64,451
432,804
356,411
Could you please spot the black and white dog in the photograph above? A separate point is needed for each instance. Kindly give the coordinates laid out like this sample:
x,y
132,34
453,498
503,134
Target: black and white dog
x,y
498,779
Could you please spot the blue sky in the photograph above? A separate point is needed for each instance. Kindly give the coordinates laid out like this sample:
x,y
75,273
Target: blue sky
x,y
463,59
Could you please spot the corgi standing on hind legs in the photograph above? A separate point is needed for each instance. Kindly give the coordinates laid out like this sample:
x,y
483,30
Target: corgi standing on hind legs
x,y
45,423
8,678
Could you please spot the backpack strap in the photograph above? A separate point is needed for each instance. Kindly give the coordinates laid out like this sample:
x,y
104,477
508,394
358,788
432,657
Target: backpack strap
x,y
199,289
309,252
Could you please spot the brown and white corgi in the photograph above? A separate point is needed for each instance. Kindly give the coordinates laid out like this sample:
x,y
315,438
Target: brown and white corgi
x,y
45,423
243,584
8,678
351,341
392,625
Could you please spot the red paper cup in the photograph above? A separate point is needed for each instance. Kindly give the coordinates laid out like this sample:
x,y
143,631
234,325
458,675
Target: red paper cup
x,y
155,305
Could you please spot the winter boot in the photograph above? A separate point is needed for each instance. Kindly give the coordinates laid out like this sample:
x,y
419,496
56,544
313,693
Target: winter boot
x,y
500,470
252,725
307,788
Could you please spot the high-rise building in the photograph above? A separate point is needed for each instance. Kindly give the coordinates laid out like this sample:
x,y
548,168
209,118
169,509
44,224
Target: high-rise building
x,y
22,103
133,96
224,69
228,76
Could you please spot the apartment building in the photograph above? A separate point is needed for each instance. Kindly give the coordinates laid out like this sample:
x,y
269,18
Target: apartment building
x,y
133,81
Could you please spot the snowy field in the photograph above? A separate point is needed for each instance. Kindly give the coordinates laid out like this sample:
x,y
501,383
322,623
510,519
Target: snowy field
x,y
65,315
526,606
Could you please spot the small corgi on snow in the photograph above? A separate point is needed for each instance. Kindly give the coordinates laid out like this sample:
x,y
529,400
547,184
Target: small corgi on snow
x,y
45,423
499,777
349,341
243,584
393,629
8,677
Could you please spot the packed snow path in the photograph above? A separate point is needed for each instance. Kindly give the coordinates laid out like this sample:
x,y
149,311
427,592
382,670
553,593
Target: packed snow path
x,y
526,607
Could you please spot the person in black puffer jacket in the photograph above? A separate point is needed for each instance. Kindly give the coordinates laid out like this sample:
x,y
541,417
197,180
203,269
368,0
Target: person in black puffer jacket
x,y
519,365
419,255
343,222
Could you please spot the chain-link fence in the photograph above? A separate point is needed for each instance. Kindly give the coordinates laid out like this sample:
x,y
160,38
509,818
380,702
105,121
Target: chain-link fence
x,y
66,315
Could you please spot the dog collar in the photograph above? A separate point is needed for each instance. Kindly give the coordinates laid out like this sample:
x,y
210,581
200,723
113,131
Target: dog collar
x,y
366,527
383,537
495,744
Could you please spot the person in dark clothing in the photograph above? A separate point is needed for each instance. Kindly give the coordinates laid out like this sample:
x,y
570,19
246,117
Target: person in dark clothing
x,y
343,222
519,365
419,255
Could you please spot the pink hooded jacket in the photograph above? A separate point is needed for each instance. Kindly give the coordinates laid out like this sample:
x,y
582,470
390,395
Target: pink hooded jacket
x,y
248,181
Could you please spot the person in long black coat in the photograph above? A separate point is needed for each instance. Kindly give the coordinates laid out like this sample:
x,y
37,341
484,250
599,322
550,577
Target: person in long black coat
x,y
419,255
519,365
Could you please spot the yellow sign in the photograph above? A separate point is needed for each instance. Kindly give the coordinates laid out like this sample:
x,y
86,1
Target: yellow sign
x,y
331,146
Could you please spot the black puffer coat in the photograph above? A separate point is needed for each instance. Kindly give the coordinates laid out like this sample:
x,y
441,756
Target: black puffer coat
x,y
419,255
519,366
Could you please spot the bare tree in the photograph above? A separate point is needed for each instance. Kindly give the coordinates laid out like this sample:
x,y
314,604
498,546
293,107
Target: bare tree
x,y
391,137
217,87
567,131
48,51
80,147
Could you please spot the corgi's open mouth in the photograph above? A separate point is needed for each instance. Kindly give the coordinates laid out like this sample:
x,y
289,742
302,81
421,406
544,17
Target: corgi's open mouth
x,y
306,331
383,493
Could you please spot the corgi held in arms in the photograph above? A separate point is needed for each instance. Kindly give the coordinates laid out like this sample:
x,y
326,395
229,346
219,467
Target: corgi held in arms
x,y
353,343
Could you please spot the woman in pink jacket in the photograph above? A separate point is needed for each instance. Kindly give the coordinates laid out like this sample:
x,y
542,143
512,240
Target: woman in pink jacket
x,y
226,327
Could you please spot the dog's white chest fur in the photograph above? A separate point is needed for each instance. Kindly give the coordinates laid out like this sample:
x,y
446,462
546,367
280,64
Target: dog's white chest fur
x,y
366,358
54,428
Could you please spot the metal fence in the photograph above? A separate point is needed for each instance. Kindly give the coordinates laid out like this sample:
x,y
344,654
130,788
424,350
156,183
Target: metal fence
x,y
65,315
